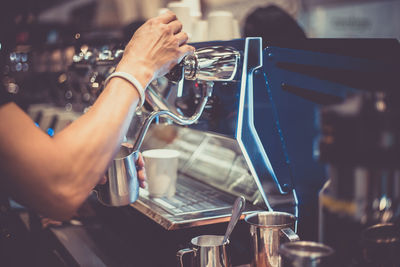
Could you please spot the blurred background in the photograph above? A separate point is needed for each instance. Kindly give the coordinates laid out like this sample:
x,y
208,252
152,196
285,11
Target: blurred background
x,y
318,18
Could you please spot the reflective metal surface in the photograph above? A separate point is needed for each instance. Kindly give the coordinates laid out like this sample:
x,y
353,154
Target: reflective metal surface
x,y
206,251
215,63
207,91
237,210
156,99
306,254
210,63
194,204
268,230
122,186
381,245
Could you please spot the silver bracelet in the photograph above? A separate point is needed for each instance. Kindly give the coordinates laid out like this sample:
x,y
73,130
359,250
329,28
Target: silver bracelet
x,y
132,80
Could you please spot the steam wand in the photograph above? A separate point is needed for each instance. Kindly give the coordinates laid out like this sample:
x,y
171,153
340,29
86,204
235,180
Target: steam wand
x,y
207,89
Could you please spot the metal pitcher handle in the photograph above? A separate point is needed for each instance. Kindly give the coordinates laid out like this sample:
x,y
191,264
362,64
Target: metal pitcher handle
x,y
181,253
289,234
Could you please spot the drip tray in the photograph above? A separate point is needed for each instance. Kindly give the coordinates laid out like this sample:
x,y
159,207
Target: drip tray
x,y
194,197
193,204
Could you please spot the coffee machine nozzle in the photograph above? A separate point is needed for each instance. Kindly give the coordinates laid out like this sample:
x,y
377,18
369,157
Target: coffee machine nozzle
x,y
207,88
213,63
207,65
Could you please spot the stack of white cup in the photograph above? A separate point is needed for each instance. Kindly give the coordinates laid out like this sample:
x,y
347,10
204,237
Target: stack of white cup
x,y
220,24
200,31
199,26
183,11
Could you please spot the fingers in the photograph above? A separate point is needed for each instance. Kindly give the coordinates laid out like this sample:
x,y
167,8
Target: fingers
x,y
140,161
167,17
126,144
103,179
142,178
46,222
186,50
182,38
141,171
176,26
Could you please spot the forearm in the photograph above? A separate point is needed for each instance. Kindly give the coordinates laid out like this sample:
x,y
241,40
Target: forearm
x,y
55,175
90,143
93,139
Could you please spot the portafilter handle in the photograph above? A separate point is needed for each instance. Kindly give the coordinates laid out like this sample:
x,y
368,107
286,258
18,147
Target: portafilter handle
x,y
181,120
212,63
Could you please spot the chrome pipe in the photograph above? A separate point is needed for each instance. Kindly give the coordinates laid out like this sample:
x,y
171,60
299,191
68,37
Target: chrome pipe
x,y
181,120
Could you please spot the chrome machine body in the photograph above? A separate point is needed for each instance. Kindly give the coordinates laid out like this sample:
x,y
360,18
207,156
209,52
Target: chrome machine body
x,y
206,251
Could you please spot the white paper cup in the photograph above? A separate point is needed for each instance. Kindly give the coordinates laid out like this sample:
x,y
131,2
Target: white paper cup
x,y
195,7
200,31
220,25
162,171
236,29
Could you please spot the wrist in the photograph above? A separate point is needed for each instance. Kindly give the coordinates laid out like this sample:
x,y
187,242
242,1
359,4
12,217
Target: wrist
x,y
132,80
141,72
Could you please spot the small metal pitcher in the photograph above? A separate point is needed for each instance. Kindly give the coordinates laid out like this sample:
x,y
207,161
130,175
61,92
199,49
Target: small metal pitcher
x,y
122,186
306,254
207,251
268,230
381,245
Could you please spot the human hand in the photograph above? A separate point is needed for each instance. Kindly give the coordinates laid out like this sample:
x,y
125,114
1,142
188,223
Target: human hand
x,y
141,171
47,222
157,46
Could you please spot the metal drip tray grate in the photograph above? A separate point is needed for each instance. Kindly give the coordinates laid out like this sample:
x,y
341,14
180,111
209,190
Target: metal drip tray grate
x,y
194,197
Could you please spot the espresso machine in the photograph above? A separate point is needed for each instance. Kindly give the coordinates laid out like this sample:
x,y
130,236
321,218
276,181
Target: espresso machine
x,y
222,150
212,111
244,120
